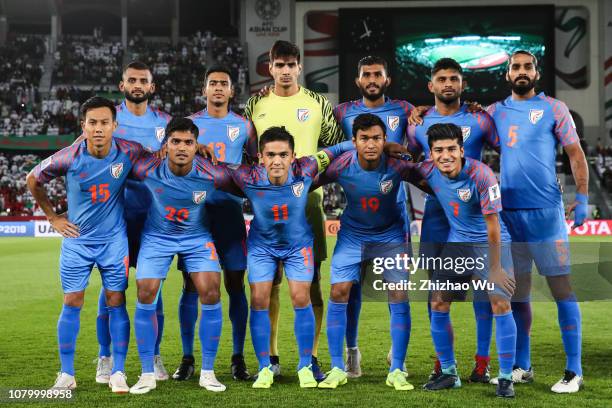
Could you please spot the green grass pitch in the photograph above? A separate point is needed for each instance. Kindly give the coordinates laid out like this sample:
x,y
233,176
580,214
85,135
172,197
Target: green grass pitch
x,y
30,301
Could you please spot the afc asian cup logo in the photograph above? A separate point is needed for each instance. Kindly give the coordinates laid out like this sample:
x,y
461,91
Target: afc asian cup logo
x,y
535,115
386,186
45,163
303,115
268,9
199,196
466,131
116,170
233,132
297,189
393,122
160,132
464,194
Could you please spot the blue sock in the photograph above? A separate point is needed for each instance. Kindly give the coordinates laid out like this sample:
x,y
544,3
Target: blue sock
x,y
442,335
210,333
67,331
522,316
188,315
505,340
145,326
484,327
352,315
160,321
102,329
260,336
304,328
119,323
400,334
336,328
570,323
238,314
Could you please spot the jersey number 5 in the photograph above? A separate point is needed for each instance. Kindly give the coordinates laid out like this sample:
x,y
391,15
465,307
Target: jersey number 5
x,y
512,135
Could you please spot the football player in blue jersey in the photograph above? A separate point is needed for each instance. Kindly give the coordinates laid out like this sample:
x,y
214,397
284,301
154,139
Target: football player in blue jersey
x,y
139,122
478,129
469,195
531,126
370,181
278,190
372,80
227,133
94,231
177,224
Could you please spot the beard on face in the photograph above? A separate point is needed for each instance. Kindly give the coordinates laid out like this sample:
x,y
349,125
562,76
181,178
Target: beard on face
x,y
448,99
373,96
523,88
137,99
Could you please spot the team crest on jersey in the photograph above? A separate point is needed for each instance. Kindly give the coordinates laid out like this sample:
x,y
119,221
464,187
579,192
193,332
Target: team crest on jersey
x,y
535,115
297,189
199,196
116,170
466,131
303,114
386,186
233,132
45,163
393,122
160,132
464,194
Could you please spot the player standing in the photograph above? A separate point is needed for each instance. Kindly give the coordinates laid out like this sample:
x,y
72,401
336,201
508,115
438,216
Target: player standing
x,y
370,181
477,128
227,133
177,225
531,126
372,80
139,122
309,117
469,194
94,231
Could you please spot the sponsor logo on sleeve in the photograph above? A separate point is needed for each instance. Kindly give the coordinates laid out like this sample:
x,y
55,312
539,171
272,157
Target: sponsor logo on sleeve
x,y
45,163
494,193
464,194
116,170
466,131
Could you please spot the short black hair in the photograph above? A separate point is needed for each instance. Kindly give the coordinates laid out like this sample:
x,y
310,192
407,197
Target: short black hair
x,y
366,121
523,52
98,102
372,60
446,63
276,134
444,131
139,66
218,68
283,49
180,125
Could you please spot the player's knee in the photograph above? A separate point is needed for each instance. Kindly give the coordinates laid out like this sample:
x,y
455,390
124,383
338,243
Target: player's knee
x,y
147,292
500,305
300,298
560,287
114,299
210,297
74,299
440,306
340,293
259,302
397,296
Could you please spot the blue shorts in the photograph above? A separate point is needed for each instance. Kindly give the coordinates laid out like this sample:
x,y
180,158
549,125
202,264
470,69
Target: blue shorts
x,y
539,235
464,270
352,250
229,233
263,261
434,228
135,223
198,254
77,260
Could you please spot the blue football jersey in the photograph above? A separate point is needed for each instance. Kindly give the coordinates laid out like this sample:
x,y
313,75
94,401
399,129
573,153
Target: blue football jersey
x,y
466,198
228,137
478,128
95,187
371,196
178,206
529,133
148,130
